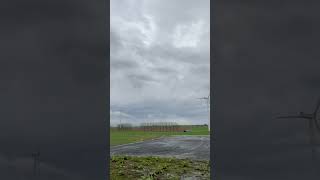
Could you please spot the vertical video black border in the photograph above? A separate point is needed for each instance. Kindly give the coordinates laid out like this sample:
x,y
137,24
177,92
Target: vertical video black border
x,y
38,32
107,29
212,109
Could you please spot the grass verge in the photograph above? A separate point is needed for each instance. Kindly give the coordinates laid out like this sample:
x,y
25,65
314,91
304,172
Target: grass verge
x,y
155,168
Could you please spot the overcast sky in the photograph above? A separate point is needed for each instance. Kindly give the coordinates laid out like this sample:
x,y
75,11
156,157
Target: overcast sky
x,y
160,60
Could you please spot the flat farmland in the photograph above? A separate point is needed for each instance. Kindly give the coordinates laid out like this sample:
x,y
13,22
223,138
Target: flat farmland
x,y
130,136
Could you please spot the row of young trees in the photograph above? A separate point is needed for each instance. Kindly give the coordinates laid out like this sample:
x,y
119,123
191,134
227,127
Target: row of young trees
x,y
153,126
161,127
124,127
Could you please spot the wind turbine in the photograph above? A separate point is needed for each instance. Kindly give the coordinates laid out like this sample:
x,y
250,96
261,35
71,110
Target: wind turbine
x,y
120,117
313,125
207,99
119,126
36,163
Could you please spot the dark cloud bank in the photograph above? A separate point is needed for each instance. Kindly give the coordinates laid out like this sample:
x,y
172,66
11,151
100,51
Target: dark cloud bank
x,y
267,64
53,78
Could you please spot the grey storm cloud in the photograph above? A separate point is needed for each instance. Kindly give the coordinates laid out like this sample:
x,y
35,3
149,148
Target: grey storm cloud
x,y
159,60
266,65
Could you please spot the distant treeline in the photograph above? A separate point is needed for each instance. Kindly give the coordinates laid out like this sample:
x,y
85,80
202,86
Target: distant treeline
x,y
125,126
161,126
156,126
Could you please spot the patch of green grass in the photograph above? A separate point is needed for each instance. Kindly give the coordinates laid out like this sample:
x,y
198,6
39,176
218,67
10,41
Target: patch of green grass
x,y
155,168
125,137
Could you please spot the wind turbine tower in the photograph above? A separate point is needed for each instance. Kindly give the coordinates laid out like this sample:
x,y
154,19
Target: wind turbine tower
x,y
207,99
36,164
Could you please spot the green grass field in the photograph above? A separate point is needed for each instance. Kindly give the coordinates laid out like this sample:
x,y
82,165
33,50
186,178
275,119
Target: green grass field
x,y
154,168
125,137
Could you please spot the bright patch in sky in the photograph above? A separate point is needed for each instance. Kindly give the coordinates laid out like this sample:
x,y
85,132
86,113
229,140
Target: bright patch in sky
x,y
188,35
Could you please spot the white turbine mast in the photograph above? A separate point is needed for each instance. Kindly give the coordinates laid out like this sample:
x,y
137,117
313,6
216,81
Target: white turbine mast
x,y
207,99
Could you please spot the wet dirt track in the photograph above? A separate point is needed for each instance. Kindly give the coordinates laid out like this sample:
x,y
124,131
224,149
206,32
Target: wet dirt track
x,y
186,147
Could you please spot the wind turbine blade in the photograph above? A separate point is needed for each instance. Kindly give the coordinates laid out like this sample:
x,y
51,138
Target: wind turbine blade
x,y
311,139
317,125
293,117
317,106
316,115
